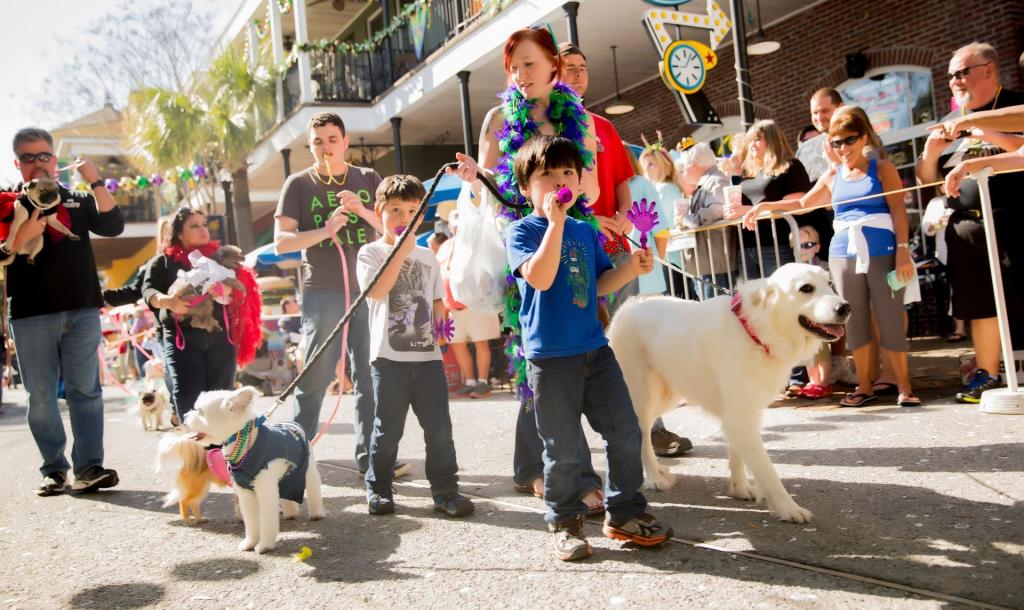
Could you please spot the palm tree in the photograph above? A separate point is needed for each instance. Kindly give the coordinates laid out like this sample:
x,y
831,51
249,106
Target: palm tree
x,y
237,95
217,125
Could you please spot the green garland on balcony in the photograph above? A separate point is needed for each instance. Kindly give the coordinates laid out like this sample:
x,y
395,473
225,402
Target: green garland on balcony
x,y
364,46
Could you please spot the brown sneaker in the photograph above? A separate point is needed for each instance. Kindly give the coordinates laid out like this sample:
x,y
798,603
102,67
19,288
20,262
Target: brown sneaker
x,y
643,529
570,543
669,444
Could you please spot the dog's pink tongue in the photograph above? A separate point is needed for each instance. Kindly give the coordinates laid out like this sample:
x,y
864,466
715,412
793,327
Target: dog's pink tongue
x,y
836,330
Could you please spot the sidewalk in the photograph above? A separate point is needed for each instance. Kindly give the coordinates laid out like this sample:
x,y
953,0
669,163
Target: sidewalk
x,y
915,508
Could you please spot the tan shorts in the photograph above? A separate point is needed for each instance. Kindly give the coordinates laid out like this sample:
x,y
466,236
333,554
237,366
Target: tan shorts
x,y
474,326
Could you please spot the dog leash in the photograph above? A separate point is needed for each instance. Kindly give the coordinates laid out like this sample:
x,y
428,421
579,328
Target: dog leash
x,y
420,211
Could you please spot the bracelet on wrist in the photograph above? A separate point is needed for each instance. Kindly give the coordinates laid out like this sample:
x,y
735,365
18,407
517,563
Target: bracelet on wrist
x,y
96,183
903,245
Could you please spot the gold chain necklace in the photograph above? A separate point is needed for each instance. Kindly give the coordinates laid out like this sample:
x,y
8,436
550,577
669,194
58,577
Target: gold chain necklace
x,y
330,176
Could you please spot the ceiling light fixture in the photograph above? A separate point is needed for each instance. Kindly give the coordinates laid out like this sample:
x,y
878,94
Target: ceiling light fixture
x,y
618,105
762,46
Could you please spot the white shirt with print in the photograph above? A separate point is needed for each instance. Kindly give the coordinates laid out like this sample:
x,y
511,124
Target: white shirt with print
x,y
402,323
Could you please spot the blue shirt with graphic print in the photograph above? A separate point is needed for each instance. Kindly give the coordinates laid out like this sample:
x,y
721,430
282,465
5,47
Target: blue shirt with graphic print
x,y
562,320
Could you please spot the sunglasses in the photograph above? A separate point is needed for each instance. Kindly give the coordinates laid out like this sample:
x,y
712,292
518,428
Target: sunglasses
x,y
42,157
963,72
848,140
807,245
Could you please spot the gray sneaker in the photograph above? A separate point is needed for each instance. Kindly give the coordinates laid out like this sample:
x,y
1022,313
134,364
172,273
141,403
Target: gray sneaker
x,y
570,543
481,390
465,391
643,529
53,484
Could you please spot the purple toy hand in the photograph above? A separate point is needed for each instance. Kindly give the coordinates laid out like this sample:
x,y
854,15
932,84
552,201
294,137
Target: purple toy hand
x,y
644,218
444,330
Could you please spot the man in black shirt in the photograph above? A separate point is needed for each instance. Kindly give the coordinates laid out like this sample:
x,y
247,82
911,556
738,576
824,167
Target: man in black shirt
x,y
54,305
974,81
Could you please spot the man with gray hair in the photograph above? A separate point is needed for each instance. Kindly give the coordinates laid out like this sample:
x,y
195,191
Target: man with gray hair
x,y
975,84
700,169
55,319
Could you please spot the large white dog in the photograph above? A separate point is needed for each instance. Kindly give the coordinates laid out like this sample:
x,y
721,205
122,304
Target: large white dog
x,y
731,356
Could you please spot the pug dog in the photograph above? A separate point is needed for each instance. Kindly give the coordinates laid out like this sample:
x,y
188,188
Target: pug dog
x,y
40,194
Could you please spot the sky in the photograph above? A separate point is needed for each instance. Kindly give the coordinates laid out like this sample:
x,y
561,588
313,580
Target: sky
x,y
31,51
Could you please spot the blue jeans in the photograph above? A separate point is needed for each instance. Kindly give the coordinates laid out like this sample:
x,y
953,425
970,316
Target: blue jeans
x,y
396,386
719,279
589,384
207,363
528,460
321,310
50,345
754,266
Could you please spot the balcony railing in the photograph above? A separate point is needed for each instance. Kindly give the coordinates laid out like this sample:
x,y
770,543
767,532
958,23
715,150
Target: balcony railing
x,y
344,77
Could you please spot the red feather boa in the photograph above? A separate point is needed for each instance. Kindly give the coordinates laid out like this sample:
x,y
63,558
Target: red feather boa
x,y
245,312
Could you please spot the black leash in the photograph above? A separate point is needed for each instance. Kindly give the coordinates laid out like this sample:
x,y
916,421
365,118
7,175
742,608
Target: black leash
x,y
420,211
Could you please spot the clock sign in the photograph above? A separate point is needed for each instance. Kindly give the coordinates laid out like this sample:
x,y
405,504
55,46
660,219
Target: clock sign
x,y
686,63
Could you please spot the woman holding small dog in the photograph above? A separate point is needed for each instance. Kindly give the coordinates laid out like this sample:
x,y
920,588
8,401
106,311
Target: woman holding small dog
x,y
197,360
869,256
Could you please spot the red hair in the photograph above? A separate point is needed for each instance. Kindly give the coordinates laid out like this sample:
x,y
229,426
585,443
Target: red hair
x,y
539,36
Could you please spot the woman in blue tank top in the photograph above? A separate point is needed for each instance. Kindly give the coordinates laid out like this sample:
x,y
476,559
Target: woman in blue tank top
x,y
870,242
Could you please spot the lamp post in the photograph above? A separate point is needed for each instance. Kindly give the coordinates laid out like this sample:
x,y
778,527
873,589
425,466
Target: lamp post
x,y
229,209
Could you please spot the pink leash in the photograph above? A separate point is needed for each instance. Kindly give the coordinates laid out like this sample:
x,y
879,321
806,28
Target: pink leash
x,y
344,342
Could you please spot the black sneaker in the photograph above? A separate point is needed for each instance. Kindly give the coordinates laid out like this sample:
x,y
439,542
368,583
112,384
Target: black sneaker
x,y
53,484
454,505
979,383
94,479
669,444
377,504
643,529
570,543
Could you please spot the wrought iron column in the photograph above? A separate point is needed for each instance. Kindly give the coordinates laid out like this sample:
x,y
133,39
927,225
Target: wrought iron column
x,y
467,116
572,9
396,136
739,45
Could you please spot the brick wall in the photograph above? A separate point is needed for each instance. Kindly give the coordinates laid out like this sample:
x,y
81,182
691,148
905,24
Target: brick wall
x,y
814,46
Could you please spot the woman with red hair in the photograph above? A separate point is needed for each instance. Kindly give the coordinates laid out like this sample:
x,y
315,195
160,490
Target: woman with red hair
x,y
535,103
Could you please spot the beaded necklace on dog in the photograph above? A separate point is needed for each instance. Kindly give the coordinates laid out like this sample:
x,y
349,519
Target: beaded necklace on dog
x,y
241,440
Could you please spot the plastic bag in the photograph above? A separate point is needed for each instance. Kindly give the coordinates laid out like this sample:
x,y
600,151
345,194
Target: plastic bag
x,y
478,263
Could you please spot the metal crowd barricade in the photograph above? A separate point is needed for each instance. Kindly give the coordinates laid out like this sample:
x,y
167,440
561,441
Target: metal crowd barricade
x,y
685,248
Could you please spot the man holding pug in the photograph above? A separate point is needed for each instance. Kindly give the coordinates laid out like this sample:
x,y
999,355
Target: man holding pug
x,y
55,319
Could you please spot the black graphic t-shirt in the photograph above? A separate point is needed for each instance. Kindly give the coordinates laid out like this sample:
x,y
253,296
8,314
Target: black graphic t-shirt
x,y
308,200
765,187
402,324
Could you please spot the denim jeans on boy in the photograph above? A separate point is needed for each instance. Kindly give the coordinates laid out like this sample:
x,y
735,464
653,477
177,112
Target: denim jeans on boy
x,y
754,266
528,460
50,345
206,363
396,386
321,310
588,384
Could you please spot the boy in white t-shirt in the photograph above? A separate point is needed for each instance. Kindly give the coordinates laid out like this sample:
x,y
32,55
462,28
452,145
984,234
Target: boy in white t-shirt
x,y
405,360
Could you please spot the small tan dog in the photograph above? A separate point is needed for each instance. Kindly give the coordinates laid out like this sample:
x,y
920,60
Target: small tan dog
x,y
151,410
178,451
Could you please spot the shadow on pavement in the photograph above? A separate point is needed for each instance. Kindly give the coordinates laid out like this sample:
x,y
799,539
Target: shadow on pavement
x,y
209,570
127,595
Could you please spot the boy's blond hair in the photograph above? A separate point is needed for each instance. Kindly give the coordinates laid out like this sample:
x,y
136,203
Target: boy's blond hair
x,y
399,186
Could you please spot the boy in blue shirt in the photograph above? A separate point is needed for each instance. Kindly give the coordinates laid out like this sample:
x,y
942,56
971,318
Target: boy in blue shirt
x,y
405,361
561,269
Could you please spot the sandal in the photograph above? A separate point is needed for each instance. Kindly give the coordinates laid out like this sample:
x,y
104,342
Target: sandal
x,y
814,391
528,488
884,388
857,399
908,400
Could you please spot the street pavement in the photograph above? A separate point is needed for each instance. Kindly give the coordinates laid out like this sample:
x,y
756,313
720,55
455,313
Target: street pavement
x,y
914,508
